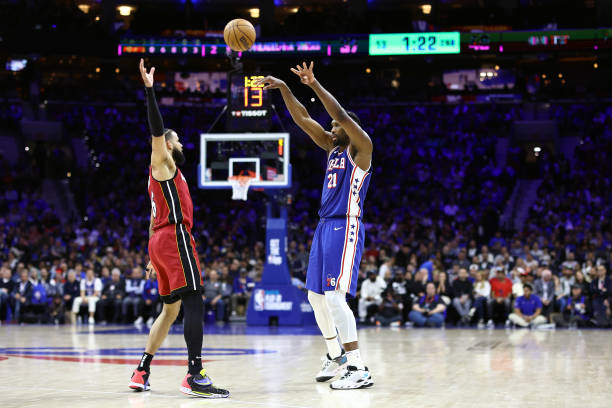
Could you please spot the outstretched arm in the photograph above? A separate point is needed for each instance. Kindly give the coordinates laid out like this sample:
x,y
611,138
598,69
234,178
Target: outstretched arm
x,y
299,113
159,153
359,139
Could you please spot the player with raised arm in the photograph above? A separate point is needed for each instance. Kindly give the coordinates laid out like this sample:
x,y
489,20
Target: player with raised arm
x,y
339,238
173,255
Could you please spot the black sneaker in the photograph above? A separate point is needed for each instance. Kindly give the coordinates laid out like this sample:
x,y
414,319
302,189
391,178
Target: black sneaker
x,y
201,385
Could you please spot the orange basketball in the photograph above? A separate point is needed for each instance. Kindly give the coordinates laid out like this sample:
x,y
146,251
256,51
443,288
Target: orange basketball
x,y
239,34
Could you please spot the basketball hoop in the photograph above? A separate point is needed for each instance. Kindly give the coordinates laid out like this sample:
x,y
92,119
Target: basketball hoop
x,y
240,186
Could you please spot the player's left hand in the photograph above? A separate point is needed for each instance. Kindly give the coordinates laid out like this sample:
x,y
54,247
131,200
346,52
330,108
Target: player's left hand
x,y
305,73
150,271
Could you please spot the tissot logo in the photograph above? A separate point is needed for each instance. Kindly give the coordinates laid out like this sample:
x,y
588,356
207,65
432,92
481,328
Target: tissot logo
x,y
258,113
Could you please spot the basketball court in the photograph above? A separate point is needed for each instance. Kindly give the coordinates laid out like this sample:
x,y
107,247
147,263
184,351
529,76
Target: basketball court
x,y
275,367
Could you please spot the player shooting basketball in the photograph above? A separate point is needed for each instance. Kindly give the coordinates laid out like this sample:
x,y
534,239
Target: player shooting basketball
x,y
339,238
173,254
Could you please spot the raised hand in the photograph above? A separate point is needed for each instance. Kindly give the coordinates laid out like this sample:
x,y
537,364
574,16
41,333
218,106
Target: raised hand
x,y
305,73
268,82
147,78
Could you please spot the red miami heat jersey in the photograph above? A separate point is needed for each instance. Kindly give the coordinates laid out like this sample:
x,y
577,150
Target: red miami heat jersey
x,y
170,201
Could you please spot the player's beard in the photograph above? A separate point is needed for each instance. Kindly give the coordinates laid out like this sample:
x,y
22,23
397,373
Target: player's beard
x,y
341,141
178,157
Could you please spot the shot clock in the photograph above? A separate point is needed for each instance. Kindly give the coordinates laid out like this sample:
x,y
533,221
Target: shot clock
x,y
414,43
249,107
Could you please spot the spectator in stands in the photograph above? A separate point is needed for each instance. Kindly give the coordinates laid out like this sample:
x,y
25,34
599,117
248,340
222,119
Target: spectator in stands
x,y
389,311
112,298
22,293
482,291
400,287
39,302
429,311
601,289
152,305
370,296
443,287
6,288
134,289
71,290
523,277
57,310
501,292
91,287
417,285
545,290
213,296
566,281
575,310
570,262
462,290
51,287
241,293
527,309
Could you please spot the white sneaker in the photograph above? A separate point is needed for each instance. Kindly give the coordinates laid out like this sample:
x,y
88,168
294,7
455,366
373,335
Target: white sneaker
x,y
352,379
91,320
546,326
490,323
331,367
139,321
472,312
481,324
150,321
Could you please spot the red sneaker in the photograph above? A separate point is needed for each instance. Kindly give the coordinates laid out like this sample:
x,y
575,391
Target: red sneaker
x,y
140,381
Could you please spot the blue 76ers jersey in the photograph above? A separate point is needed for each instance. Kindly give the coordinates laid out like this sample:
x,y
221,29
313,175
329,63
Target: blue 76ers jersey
x,y
344,188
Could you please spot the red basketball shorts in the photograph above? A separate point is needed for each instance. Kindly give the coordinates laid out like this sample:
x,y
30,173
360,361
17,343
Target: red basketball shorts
x,y
174,257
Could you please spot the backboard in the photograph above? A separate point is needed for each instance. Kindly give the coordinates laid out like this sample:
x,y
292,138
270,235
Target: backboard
x,y
262,155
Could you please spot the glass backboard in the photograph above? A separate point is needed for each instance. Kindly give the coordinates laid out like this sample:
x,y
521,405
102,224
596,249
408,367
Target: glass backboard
x,y
264,156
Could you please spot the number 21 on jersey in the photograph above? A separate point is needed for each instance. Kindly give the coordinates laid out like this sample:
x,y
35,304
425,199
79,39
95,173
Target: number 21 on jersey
x,y
332,177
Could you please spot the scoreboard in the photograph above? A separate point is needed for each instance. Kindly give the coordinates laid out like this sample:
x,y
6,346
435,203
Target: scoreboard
x,y
249,107
415,43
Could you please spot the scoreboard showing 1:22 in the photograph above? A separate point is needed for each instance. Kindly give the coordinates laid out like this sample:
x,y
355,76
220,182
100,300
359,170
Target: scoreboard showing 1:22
x,y
415,43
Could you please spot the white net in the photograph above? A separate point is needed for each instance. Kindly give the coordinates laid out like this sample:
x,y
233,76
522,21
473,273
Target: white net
x,y
240,186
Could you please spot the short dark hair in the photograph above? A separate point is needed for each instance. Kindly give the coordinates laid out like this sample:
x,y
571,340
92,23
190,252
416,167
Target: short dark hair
x,y
354,116
528,285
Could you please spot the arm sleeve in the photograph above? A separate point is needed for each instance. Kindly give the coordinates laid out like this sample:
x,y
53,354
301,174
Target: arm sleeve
x,y
156,123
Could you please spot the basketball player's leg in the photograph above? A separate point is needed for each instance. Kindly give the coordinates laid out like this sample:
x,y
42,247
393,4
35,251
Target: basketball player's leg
x,y
346,268
161,327
314,283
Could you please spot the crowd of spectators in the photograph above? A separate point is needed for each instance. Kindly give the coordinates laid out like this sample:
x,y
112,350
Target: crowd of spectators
x,y
434,249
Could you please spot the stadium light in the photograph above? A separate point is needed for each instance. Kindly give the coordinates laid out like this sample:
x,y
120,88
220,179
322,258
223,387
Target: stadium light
x,y
125,10
426,8
254,12
84,8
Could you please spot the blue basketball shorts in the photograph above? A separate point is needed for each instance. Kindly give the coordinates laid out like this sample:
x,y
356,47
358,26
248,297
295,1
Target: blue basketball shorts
x,y
335,255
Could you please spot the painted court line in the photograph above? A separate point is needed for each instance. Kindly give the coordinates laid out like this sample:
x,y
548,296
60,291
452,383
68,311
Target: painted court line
x,y
177,397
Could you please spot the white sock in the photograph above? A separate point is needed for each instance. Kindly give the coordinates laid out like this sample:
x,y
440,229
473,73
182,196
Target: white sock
x,y
333,347
354,359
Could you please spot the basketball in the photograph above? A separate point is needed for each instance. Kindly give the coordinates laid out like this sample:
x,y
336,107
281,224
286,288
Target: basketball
x,y
239,34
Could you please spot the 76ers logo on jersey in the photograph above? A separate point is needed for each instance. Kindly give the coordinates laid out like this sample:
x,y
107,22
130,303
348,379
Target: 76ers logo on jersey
x,y
336,164
331,282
